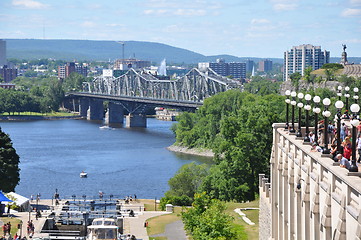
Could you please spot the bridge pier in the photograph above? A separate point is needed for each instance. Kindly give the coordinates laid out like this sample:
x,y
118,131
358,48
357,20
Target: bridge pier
x,y
96,110
114,114
136,120
83,106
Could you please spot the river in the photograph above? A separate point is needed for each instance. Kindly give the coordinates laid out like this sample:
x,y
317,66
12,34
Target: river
x,y
118,161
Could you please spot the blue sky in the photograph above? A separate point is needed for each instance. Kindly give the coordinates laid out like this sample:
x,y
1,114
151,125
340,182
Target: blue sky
x,y
244,28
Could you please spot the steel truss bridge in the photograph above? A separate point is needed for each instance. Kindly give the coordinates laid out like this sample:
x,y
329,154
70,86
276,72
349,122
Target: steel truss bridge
x,y
195,86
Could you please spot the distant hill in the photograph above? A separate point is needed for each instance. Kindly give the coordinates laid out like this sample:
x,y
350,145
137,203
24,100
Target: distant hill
x,y
110,50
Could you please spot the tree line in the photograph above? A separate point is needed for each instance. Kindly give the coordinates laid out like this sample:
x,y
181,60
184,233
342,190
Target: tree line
x,y
41,95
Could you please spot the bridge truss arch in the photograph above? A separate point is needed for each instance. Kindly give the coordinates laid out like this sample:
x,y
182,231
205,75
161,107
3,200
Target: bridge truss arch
x,y
195,86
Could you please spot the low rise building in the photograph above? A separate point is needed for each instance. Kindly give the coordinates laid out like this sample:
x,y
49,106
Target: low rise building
x,y
65,70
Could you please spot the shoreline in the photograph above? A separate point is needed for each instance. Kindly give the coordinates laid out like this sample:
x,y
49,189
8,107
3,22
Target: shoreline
x,y
32,118
191,151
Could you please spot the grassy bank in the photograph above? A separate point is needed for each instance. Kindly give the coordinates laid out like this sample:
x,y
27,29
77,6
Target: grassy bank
x,y
14,224
51,114
157,225
251,230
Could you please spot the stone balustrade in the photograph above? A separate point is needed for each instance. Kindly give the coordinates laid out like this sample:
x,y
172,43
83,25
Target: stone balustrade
x,y
307,195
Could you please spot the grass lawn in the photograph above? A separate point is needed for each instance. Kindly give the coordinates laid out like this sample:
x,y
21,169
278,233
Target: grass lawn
x,y
251,230
14,224
150,205
157,225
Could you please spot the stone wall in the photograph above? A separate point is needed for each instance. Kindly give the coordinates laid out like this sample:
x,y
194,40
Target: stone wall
x,y
264,209
310,196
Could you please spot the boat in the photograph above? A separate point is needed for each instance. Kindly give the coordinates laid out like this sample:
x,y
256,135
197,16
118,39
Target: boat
x,y
103,228
83,174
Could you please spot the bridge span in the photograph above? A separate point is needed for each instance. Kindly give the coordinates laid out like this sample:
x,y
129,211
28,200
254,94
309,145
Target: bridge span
x,y
137,91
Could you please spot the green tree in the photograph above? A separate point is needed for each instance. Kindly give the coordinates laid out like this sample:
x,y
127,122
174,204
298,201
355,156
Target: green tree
x,y
295,79
187,180
74,82
55,95
9,164
207,220
307,75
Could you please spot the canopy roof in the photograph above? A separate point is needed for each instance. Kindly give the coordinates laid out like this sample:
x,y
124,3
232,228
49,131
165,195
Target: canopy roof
x,y
3,198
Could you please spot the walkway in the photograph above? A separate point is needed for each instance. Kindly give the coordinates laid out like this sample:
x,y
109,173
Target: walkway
x,y
173,231
135,226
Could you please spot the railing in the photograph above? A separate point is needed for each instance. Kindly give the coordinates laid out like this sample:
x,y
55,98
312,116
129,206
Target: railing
x,y
309,196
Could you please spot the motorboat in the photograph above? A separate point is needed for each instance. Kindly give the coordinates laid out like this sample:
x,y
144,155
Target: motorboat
x,y
103,228
83,174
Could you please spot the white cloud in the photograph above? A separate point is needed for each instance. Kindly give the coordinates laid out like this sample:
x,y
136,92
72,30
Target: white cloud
x,y
259,21
284,6
190,12
88,24
115,25
355,2
351,12
29,4
178,12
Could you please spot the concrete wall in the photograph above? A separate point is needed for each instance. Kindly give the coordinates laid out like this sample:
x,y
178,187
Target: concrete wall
x,y
328,204
264,209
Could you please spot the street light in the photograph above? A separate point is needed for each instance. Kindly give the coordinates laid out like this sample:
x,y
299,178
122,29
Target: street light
x,y
316,110
288,101
339,106
293,103
326,102
307,108
347,95
355,108
300,106
339,93
355,97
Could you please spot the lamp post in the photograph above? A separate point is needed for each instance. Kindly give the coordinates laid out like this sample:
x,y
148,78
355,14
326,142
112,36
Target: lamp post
x,y
339,93
355,108
288,101
347,95
339,106
316,110
326,102
300,106
307,109
355,97
293,103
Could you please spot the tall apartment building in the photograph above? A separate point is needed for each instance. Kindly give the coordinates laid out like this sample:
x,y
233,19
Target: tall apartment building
x,y
249,65
2,53
65,70
8,74
303,56
236,69
265,65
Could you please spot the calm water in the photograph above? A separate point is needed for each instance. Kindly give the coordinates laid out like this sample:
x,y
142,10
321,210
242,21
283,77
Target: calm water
x,y
120,161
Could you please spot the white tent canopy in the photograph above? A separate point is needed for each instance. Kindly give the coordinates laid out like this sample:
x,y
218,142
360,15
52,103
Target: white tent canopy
x,y
21,201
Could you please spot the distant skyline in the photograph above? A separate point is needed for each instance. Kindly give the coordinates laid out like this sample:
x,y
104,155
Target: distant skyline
x,y
258,28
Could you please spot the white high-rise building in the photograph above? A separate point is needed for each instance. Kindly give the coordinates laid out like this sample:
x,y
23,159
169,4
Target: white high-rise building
x,y
303,56
2,53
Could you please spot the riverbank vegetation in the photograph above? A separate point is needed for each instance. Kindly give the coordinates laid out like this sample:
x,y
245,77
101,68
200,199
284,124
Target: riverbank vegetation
x,y
237,127
38,95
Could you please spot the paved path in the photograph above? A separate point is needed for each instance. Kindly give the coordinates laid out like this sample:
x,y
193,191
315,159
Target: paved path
x,y
173,231
135,226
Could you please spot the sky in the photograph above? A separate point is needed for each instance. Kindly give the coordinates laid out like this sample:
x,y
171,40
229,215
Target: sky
x,y
243,28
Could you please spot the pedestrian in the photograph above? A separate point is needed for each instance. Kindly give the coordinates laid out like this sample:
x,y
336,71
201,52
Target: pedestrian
x,y
358,144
